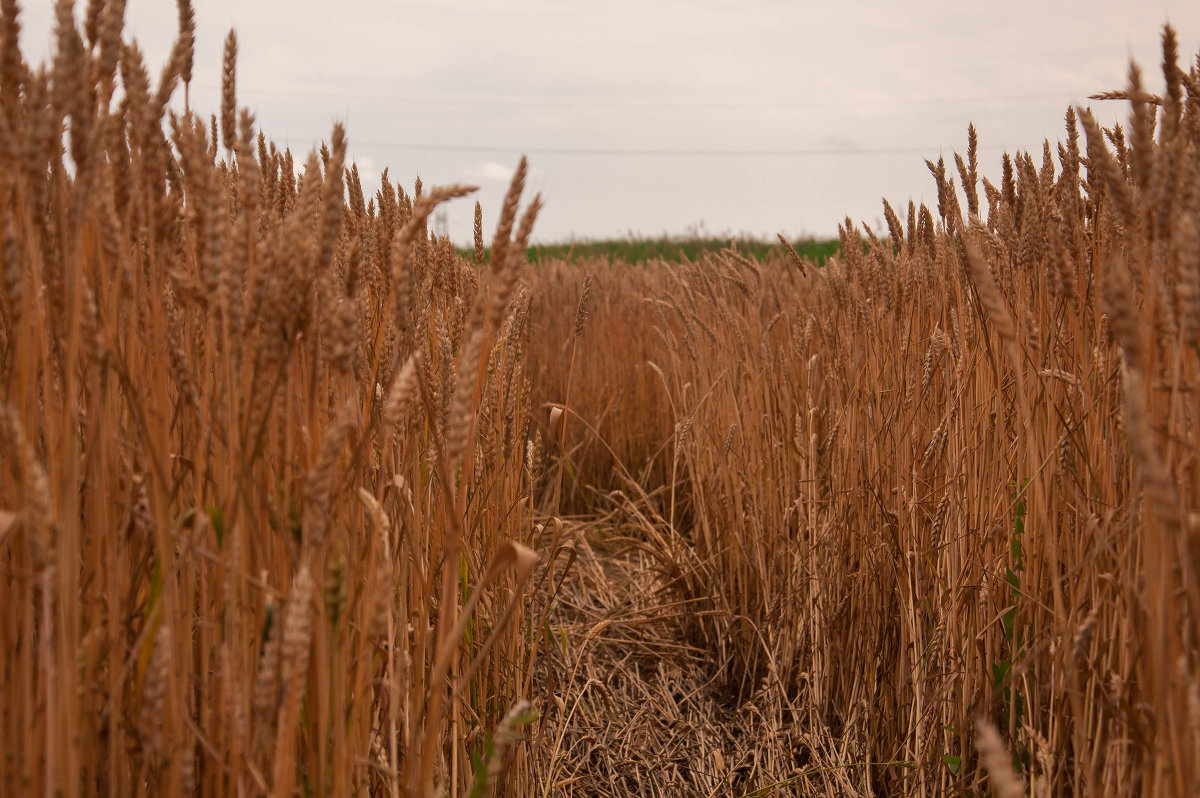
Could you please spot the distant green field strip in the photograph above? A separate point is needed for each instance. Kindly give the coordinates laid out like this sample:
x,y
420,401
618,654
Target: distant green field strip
x,y
671,249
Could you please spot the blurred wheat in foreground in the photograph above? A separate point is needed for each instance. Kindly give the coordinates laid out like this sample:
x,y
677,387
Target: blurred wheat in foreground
x,y
280,473
267,524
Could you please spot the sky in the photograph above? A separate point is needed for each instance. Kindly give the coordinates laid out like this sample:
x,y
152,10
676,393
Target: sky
x,y
645,117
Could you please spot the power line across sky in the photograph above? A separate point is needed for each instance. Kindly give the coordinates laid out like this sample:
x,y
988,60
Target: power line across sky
x,y
645,102
606,103
665,152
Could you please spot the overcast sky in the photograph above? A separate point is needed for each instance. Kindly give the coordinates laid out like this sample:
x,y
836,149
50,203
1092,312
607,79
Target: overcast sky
x,y
652,116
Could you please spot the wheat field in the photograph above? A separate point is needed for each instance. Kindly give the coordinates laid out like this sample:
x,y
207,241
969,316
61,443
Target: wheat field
x,y
297,498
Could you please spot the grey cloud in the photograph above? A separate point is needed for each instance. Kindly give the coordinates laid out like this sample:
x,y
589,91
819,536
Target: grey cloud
x,y
626,74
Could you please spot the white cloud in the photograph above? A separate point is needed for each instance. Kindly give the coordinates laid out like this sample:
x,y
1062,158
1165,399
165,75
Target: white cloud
x,y
490,171
865,79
